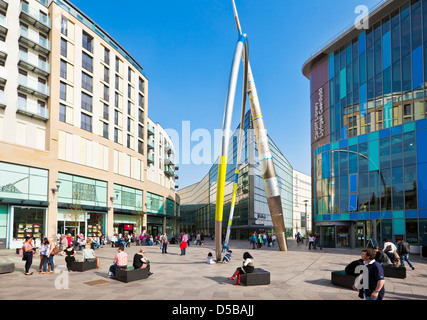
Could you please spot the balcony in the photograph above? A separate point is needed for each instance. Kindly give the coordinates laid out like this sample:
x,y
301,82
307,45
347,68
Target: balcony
x,y
32,110
150,158
33,87
4,25
169,160
4,4
150,130
33,63
3,100
34,40
3,75
35,18
150,144
169,171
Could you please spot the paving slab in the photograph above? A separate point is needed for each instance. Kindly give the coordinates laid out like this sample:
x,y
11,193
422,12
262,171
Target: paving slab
x,y
298,274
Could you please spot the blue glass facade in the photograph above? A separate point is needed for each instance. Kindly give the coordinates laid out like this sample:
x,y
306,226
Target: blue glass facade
x,y
370,175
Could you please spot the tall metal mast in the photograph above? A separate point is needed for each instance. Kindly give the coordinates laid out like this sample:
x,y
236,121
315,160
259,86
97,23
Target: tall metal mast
x,y
271,185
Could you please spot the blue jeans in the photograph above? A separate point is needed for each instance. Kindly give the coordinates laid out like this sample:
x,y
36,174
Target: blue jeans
x,y
46,261
404,257
391,256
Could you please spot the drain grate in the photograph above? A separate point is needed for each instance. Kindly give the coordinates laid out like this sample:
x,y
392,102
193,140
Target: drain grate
x,y
95,282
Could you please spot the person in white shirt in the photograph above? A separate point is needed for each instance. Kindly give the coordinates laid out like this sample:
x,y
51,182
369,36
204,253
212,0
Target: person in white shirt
x,y
389,249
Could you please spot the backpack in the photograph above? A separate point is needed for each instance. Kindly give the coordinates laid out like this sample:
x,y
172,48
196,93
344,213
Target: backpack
x,y
404,247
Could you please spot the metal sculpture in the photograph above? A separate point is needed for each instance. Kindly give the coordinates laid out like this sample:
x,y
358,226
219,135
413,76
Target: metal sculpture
x,y
271,185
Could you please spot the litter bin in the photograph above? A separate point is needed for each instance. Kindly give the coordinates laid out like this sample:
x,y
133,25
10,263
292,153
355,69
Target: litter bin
x,y
2,243
424,251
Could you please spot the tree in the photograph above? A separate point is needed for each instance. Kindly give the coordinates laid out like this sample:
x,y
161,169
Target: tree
x,y
75,211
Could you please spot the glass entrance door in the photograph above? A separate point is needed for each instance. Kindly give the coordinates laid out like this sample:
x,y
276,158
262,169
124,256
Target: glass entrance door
x,y
328,236
359,234
343,236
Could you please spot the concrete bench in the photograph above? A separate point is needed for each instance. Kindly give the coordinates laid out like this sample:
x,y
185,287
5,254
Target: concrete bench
x,y
83,265
341,279
395,272
131,274
7,267
258,277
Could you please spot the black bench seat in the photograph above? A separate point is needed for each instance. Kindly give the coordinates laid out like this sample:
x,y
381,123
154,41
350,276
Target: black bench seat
x,y
131,274
84,265
7,267
258,277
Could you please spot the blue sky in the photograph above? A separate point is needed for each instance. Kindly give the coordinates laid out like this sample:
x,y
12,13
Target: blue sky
x,y
186,49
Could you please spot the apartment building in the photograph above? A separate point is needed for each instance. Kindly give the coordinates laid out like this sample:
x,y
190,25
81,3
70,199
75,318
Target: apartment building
x,y
73,129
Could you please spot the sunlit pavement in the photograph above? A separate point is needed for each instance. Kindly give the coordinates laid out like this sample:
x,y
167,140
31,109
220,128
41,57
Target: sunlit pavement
x,y
298,274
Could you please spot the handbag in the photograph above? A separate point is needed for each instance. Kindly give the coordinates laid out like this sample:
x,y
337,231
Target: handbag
x,y
54,251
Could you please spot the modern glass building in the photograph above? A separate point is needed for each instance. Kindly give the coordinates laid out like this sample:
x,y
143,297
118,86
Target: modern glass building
x,y
369,129
251,211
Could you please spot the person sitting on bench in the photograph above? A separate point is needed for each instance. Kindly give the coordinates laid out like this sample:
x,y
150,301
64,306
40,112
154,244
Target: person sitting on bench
x,y
120,261
248,267
141,262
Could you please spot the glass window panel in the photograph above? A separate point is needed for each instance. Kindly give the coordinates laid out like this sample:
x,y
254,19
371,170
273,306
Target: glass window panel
x,y
374,191
395,38
421,148
343,194
386,229
387,81
405,30
406,73
363,161
410,185
364,191
411,231
385,186
379,85
353,183
352,205
370,63
362,68
396,150
422,185
386,50
385,153
343,162
397,189
417,70
417,39
374,156
409,148
353,160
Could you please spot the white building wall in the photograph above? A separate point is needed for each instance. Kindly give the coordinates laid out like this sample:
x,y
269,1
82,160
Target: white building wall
x,y
301,197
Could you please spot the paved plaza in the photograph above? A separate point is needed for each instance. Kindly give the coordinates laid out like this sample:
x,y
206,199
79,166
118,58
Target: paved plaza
x,y
298,274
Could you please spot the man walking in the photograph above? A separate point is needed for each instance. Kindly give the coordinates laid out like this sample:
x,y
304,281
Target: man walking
x,y
374,289
403,250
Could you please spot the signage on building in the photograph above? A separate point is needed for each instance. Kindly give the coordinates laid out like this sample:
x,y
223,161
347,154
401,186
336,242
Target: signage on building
x,y
319,120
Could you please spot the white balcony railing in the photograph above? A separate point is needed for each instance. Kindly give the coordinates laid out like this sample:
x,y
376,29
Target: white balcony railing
x,y
33,85
33,110
35,38
34,61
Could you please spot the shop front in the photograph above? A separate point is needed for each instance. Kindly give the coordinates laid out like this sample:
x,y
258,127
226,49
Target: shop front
x,y
23,204
82,206
88,223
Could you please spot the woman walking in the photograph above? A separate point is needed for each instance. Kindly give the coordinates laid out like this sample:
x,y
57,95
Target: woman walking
x,y
28,252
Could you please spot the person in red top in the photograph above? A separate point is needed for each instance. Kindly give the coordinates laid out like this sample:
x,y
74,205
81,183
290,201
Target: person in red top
x,y
120,261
